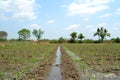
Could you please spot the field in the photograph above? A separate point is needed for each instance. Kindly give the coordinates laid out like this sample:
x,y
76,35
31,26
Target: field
x,y
102,58
18,58
33,61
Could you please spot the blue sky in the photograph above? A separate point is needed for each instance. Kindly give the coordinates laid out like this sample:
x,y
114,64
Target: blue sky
x,y
58,18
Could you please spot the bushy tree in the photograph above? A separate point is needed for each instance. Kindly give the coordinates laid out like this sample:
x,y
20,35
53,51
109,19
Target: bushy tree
x,y
61,40
73,37
3,35
81,36
24,34
37,33
116,40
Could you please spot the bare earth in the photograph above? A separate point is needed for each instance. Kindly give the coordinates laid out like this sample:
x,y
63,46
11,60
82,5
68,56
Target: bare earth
x,y
68,70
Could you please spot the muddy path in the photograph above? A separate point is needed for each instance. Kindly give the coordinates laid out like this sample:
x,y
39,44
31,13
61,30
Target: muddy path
x,y
68,69
63,68
55,73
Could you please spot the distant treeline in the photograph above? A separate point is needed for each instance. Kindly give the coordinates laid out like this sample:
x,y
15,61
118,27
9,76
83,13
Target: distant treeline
x,y
113,40
25,34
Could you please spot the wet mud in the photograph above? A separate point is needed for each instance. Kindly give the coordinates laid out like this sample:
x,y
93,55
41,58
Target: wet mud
x,y
55,73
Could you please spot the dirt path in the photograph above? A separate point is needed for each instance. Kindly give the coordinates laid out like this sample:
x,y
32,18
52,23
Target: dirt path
x,y
69,72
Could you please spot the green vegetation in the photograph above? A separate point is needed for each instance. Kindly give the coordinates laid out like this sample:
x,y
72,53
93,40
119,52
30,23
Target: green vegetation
x,y
37,33
19,57
80,36
102,33
3,35
24,34
73,37
100,57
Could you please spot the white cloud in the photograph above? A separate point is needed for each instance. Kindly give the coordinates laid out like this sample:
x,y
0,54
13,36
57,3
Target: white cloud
x,y
51,21
99,2
93,28
35,26
105,15
115,29
19,8
73,26
101,25
118,11
88,7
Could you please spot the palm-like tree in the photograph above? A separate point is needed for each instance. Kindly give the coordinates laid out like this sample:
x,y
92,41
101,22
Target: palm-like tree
x,y
97,33
102,33
37,33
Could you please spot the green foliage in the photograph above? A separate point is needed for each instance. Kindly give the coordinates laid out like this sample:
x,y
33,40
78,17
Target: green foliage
x,y
3,35
116,40
61,40
24,34
1,73
54,41
81,36
88,41
102,33
71,41
37,33
73,36
3,39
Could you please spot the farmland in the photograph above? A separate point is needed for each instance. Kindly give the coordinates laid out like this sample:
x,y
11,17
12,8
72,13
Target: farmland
x,y
19,58
33,61
103,58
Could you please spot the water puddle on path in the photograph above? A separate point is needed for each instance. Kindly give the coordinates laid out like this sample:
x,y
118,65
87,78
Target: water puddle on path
x,y
55,73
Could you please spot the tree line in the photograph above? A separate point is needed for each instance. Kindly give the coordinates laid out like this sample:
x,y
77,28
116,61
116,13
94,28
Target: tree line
x,y
101,32
25,34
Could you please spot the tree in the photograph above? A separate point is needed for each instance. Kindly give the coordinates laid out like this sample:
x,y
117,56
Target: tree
x,y
73,36
97,33
80,36
37,33
24,34
102,33
3,35
61,40
116,40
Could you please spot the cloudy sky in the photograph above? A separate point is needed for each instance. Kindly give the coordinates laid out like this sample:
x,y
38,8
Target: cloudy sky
x,y
58,18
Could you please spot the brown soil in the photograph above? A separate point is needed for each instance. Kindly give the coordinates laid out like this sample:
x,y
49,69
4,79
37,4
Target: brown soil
x,y
68,70
41,70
